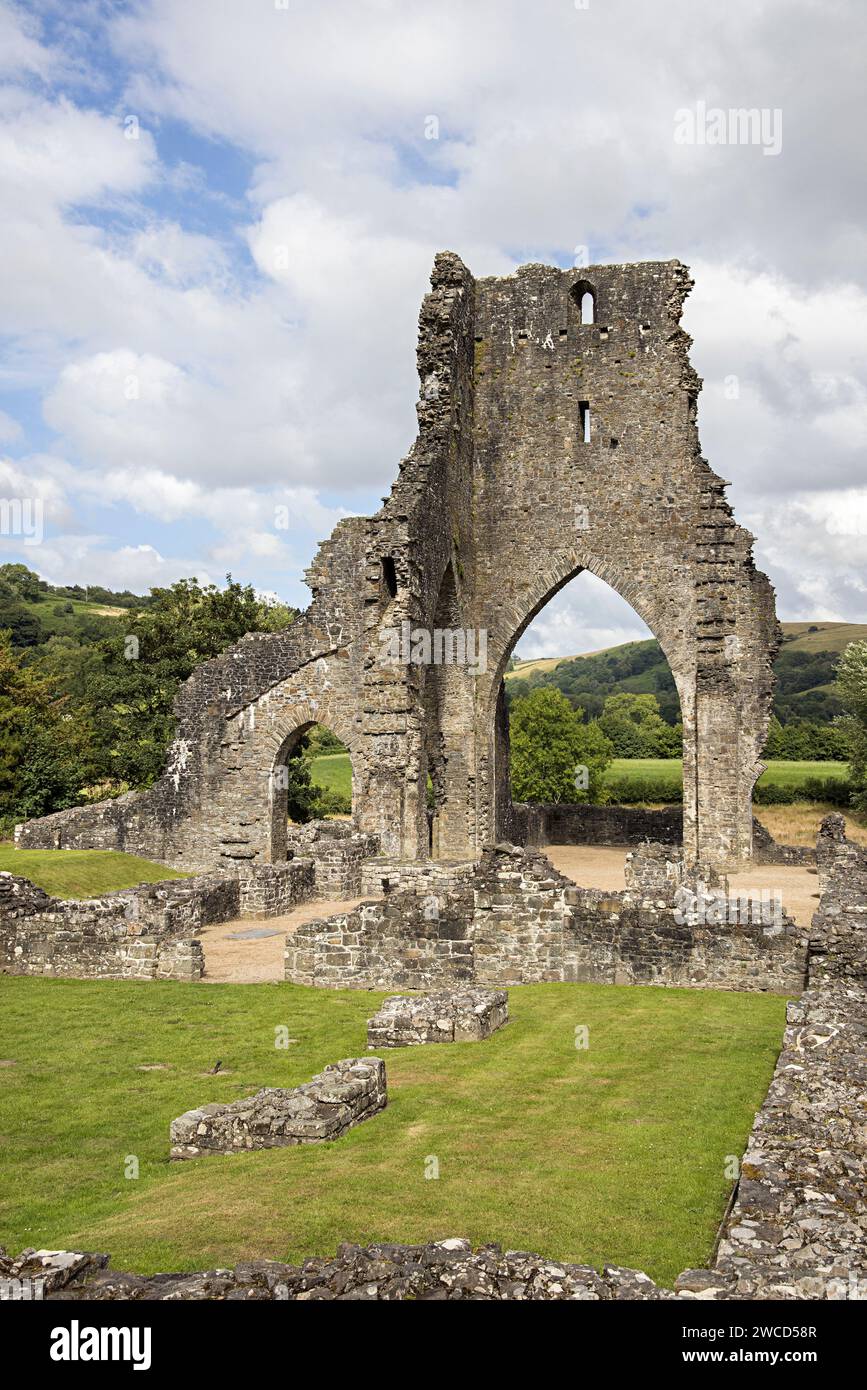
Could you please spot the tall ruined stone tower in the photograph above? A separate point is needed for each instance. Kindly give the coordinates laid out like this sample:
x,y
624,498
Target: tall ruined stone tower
x,y
557,433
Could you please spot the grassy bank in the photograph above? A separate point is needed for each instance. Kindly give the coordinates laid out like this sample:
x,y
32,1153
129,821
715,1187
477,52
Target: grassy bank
x,y
81,873
333,772
613,1153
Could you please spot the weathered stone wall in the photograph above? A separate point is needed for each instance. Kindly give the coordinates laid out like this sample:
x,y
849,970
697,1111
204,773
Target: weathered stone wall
x,y
146,932
384,945
338,854
98,938
579,824
381,876
839,943
321,1110
512,919
446,1016
543,824
500,502
271,890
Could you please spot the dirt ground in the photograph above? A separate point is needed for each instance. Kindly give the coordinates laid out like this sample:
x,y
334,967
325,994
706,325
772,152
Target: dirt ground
x,y
602,867
799,823
246,952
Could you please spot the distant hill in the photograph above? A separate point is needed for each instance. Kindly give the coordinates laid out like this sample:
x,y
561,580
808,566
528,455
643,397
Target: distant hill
x,y
804,670
34,611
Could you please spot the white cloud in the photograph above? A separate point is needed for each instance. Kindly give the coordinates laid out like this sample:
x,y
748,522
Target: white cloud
x,y
585,616
10,429
555,129
88,560
20,48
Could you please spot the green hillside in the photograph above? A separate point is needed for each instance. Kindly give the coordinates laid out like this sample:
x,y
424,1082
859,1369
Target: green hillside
x,y
804,669
34,611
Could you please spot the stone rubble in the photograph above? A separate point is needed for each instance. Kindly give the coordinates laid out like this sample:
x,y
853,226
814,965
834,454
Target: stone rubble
x,y
452,1015
322,1109
797,1227
441,1270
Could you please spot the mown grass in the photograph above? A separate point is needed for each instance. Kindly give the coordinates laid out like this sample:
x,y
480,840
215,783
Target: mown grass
x,y
779,773
614,1153
81,873
333,771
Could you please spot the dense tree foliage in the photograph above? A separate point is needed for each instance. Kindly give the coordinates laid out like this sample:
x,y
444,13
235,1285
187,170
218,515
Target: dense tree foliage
x,y
90,710
131,689
46,754
635,728
555,756
852,689
806,701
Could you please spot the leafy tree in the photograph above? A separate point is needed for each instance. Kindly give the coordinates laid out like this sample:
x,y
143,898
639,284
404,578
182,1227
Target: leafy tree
x,y
803,740
852,688
21,582
25,630
636,729
549,744
131,692
45,753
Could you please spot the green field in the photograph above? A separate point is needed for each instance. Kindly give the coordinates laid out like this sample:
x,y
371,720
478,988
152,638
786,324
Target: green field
x,y
615,1153
81,873
779,773
98,616
333,771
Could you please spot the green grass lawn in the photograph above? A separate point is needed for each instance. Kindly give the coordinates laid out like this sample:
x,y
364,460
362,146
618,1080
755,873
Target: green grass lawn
x,y
333,771
779,773
785,774
81,873
614,1153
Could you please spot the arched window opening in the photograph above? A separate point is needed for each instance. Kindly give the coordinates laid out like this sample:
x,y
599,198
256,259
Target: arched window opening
x,y
592,720
584,298
311,780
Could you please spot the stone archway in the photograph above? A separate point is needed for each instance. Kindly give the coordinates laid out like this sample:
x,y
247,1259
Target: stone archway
x,y
278,789
503,647
550,440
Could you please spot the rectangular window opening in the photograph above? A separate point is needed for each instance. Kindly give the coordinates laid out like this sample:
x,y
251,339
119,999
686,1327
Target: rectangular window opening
x,y
584,421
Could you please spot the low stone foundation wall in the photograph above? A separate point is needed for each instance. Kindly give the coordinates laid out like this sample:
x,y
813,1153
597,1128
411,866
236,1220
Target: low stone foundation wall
x,y
537,825
323,1109
146,932
181,906
381,876
567,823
338,852
272,890
117,937
445,1269
456,1015
513,919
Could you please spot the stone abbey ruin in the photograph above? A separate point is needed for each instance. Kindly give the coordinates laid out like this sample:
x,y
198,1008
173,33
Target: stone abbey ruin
x,y
557,434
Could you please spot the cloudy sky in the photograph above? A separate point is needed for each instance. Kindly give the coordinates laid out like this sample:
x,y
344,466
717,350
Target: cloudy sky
x,y
217,220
